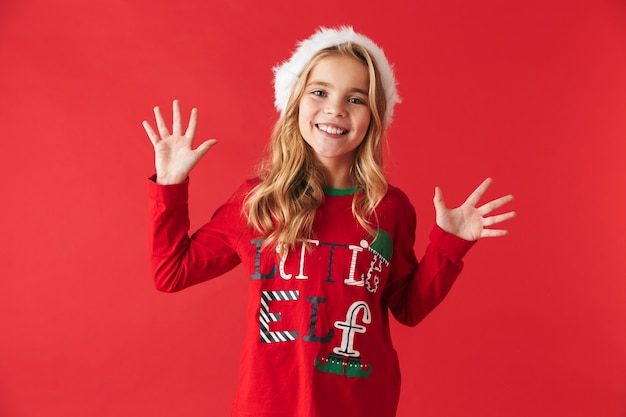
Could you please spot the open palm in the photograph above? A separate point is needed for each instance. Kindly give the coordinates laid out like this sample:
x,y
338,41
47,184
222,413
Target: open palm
x,y
468,221
174,156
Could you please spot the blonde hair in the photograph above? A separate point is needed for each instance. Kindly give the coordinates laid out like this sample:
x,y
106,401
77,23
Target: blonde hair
x,y
282,206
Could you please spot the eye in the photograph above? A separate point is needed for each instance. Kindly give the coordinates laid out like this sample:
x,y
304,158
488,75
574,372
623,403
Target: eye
x,y
356,100
318,93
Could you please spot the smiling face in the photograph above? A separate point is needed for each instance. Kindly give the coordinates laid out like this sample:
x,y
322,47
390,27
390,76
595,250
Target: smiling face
x,y
334,112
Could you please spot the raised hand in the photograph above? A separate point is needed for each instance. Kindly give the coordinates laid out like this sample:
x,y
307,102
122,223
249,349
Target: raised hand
x,y
174,157
468,221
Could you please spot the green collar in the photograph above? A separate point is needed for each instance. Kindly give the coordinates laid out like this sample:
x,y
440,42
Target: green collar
x,y
336,192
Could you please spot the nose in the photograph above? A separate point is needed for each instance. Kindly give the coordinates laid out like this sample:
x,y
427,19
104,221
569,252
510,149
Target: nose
x,y
335,107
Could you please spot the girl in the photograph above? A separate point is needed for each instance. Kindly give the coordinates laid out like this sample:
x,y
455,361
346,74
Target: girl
x,y
326,242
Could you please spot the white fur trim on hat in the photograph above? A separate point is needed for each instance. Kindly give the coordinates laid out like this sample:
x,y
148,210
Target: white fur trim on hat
x,y
286,74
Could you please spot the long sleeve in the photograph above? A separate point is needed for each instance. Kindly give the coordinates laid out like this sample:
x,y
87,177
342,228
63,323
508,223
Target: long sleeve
x,y
178,260
415,289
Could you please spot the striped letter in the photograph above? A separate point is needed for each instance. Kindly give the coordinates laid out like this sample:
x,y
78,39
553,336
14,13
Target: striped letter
x,y
266,317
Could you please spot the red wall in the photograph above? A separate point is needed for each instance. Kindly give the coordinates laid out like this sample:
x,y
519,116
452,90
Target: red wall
x,y
532,93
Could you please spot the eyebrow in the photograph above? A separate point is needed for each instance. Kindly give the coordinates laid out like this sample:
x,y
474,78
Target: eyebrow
x,y
325,84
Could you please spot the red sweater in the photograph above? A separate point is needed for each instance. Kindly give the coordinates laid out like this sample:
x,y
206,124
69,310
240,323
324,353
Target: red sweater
x,y
317,340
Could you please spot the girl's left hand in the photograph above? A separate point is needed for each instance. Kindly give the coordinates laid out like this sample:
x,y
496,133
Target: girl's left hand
x,y
468,221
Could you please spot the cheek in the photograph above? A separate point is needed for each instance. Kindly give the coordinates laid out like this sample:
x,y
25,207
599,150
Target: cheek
x,y
364,121
301,119
304,108
304,127
305,115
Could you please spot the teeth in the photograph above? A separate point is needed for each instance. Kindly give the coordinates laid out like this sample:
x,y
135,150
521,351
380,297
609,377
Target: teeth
x,y
331,130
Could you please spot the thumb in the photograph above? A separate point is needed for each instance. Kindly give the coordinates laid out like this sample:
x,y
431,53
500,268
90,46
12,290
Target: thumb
x,y
205,146
438,200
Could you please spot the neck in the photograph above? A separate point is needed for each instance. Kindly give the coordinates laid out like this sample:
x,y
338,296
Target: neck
x,y
338,174
339,179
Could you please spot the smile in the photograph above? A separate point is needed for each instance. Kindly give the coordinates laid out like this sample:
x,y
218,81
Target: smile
x,y
331,129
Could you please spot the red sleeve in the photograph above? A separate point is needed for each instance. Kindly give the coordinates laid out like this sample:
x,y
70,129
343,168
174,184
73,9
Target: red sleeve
x,y
415,289
178,260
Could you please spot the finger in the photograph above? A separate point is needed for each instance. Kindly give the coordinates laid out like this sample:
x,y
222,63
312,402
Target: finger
x,y
490,221
154,138
475,196
160,123
493,233
177,128
494,204
193,122
438,200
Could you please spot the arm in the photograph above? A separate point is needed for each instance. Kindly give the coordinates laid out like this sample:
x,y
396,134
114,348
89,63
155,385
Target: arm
x,y
179,261
418,288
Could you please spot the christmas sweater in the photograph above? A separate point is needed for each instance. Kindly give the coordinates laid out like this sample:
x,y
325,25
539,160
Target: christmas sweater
x,y
317,341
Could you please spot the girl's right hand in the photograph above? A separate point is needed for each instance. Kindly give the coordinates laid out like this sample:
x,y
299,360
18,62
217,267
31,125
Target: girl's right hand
x,y
174,157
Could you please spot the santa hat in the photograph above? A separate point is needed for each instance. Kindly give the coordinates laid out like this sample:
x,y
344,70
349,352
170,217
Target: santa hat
x,y
287,73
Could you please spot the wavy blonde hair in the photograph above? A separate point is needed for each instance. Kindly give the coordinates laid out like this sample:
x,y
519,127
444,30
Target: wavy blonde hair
x,y
282,206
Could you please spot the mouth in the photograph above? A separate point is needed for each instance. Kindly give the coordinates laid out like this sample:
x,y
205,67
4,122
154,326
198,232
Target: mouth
x,y
331,130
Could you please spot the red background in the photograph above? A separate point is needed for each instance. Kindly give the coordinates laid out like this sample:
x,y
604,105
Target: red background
x,y
531,93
